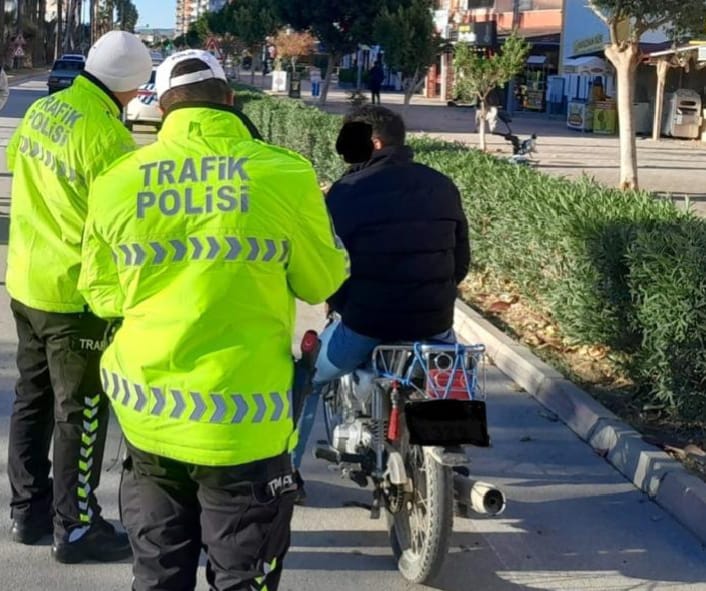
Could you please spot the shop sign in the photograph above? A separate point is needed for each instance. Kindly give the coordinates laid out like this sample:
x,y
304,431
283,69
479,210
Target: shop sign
x,y
441,21
589,44
466,34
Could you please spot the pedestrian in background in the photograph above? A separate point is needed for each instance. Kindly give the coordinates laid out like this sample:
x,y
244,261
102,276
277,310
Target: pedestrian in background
x,y
200,243
375,80
64,141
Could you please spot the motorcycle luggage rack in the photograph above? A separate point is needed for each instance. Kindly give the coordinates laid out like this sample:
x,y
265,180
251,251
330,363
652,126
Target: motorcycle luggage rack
x,y
445,368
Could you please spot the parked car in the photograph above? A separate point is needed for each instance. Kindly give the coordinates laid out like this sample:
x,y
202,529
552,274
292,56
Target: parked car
x,y
144,108
157,57
73,57
63,73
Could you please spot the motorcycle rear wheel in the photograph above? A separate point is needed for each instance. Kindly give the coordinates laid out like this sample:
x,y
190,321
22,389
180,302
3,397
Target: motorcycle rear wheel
x,y
420,533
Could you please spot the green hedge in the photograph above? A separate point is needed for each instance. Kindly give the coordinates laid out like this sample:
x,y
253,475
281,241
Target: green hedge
x,y
621,269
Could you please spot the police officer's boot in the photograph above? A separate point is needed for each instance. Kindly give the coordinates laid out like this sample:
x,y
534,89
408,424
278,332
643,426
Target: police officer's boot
x,y
101,543
30,532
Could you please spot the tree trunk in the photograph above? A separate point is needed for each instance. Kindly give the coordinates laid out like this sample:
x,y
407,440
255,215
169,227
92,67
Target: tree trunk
x,y
411,88
17,62
662,69
332,61
42,33
625,58
69,19
57,40
252,66
3,42
481,124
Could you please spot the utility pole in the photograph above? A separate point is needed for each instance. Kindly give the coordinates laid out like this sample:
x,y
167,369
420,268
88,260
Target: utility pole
x,y
511,85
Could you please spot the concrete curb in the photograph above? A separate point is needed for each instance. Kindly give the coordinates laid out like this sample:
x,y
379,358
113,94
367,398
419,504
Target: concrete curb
x,y
15,80
656,473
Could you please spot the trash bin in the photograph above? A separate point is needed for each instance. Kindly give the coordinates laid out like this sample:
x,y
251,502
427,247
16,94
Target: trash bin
x,y
682,114
295,86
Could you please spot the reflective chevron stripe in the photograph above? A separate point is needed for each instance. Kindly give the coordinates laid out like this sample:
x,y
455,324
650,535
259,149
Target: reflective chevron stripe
x,y
260,583
89,435
203,248
188,405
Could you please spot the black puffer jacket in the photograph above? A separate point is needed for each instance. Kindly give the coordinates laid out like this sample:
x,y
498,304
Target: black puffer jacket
x,y
407,236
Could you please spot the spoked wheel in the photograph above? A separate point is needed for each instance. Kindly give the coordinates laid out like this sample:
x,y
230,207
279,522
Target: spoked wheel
x,y
421,530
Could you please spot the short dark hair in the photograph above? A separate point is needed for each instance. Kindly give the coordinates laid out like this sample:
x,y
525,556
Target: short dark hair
x,y
212,91
387,125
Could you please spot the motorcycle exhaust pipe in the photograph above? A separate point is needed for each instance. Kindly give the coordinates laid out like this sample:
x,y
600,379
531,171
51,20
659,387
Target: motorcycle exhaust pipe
x,y
482,497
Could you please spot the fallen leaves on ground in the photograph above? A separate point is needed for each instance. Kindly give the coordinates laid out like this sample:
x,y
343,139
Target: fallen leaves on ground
x,y
594,367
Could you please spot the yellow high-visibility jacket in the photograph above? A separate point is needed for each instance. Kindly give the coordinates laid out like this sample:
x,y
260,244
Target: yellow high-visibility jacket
x,y
64,141
200,243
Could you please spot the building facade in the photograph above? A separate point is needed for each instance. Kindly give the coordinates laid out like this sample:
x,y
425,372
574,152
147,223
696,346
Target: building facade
x,y
189,11
539,21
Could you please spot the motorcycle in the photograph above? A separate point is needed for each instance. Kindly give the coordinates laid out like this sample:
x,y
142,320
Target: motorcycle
x,y
401,424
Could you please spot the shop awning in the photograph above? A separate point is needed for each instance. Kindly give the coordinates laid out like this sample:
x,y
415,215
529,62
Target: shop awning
x,y
536,60
590,65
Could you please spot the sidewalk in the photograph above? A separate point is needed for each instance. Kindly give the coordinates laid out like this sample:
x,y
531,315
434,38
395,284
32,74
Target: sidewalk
x,y
670,167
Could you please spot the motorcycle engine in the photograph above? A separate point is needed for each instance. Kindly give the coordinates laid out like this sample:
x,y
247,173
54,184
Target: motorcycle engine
x,y
353,434
352,437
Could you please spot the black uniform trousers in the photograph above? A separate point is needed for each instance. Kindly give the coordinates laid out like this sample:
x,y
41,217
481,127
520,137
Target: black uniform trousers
x,y
240,516
58,395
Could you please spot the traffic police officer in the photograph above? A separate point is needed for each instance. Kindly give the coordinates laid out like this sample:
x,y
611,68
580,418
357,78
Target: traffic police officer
x,y
61,145
200,243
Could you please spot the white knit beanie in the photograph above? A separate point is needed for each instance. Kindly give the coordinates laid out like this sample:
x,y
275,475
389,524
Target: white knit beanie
x,y
120,61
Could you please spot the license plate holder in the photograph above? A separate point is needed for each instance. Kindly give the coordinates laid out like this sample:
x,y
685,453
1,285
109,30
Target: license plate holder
x,y
447,422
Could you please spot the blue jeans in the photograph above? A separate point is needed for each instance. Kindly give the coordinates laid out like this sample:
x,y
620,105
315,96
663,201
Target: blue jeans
x,y
342,351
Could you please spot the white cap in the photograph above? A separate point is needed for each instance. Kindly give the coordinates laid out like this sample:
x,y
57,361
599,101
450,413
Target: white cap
x,y
120,61
164,80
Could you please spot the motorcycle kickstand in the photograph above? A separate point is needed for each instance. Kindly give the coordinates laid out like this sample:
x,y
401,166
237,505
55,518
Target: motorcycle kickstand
x,y
377,503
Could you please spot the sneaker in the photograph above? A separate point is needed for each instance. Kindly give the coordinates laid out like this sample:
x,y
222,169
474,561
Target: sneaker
x,y
101,543
300,495
29,532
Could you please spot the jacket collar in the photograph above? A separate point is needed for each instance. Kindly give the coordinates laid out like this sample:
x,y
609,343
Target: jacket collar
x,y
208,120
384,157
91,84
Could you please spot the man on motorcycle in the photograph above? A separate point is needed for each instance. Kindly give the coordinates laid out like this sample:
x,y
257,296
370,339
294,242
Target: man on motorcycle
x,y
407,235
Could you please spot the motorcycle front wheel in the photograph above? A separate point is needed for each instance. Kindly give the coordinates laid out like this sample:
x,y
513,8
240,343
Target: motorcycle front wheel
x,y
333,408
420,530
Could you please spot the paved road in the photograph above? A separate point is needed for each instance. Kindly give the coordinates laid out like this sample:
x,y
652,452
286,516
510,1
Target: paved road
x,y
572,523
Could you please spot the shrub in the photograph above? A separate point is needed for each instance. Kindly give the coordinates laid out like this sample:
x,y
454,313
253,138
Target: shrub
x,y
668,281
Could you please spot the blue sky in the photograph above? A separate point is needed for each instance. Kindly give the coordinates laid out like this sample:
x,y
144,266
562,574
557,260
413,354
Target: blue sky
x,y
160,14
